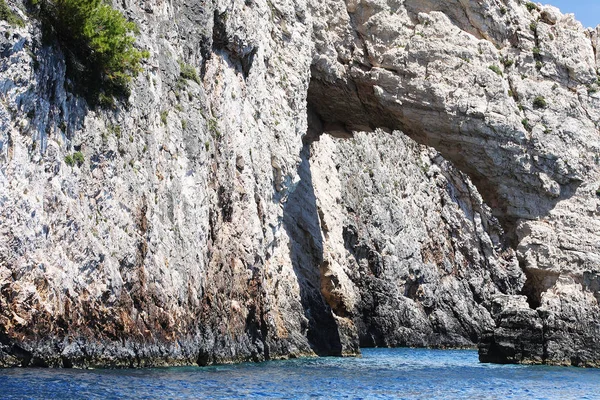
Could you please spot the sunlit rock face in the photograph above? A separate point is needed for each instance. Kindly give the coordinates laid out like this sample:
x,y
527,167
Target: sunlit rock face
x,y
168,245
246,217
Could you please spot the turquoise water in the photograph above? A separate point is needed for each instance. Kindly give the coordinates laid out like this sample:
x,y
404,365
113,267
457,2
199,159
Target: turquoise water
x,y
379,374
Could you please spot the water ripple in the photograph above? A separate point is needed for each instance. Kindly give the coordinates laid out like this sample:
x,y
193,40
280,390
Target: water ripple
x,y
379,374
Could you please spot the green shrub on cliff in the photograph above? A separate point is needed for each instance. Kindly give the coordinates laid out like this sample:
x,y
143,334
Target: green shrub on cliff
x,y
496,69
540,102
75,158
188,72
6,14
78,158
98,42
69,160
531,6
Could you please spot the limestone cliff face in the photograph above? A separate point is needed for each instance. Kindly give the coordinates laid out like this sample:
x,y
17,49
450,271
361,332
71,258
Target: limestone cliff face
x,y
411,238
507,91
213,221
168,244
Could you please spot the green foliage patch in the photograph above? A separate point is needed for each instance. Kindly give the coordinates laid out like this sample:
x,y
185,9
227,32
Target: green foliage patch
x,y
75,158
188,72
98,42
531,6
8,15
533,26
78,158
540,102
507,62
69,160
496,69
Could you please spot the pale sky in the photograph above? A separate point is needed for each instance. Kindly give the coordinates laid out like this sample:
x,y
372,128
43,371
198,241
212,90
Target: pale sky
x,y
586,11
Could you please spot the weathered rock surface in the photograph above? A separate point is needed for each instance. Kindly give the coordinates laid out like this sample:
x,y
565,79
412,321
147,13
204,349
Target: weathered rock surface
x,y
412,255
211,222
509,94
167,245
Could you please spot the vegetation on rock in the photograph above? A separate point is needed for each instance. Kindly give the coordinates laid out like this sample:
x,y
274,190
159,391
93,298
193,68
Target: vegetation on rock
x,y
8,15
75,158
496,69
531,6
69,160
78,158
540,102
188,72
98,42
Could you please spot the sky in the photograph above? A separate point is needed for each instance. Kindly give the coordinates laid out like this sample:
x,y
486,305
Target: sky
x,y
586,11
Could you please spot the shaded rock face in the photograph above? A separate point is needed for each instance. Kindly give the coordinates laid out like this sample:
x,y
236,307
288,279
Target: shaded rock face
x,y
412,255
213,221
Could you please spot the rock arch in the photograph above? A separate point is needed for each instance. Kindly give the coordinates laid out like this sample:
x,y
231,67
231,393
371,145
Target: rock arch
x,y
501,93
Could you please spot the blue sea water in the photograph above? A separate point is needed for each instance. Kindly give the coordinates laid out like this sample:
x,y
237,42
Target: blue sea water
x,y
378,374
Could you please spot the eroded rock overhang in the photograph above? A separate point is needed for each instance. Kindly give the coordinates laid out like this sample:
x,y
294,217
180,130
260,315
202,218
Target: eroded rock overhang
x,y
508,94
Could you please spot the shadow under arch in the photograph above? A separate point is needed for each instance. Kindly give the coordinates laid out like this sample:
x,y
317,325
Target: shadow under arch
x,y
301,223
343,106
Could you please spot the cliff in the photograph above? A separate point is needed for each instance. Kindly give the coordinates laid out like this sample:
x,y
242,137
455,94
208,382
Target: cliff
x,y
341,173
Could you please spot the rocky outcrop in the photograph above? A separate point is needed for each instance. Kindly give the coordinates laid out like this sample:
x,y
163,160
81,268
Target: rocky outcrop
x,y
167,245
213,221
561,331
412,255
508,92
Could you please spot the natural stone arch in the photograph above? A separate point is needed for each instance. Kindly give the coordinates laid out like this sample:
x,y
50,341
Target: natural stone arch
x,y
438,89
478,89
462,108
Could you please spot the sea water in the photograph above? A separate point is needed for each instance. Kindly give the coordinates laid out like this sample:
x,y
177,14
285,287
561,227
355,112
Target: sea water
x,y
378,374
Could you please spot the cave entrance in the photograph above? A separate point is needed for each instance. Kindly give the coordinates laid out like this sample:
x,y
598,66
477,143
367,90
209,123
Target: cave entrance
x,y
537,282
